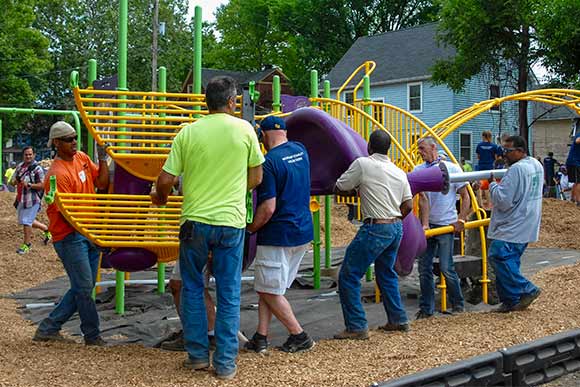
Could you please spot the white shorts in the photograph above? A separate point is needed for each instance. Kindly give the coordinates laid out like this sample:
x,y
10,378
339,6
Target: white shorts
x,y
276,267
26,216
176,274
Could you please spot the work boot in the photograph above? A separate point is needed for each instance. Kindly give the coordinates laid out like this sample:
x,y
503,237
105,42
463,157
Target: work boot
x,y
227,375
395,327
422,315
176,344
527,300
503,308
347,335
258,343
53,337
97,342
196,364
298,343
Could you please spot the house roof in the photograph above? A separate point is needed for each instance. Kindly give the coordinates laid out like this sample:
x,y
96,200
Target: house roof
x,y
546,112
405,54
241,77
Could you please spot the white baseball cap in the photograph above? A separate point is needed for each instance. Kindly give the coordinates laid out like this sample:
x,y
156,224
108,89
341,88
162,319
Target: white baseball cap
x,y
60,129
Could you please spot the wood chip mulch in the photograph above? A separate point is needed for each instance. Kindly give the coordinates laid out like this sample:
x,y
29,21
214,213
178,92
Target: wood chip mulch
x,y
431,342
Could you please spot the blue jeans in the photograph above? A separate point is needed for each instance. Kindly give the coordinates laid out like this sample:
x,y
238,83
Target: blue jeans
x,y
511,285
197,240
376,243
441,246
80,259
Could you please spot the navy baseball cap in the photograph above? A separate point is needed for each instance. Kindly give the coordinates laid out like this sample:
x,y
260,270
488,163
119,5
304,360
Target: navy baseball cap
x,y
272,123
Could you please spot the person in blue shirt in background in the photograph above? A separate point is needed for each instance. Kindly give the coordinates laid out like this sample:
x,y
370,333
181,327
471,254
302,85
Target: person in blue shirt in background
x,y
487,152
284,225
573,167
550,173
515,222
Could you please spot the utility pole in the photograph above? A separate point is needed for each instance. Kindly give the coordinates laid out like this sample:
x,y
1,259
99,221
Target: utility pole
x,y
154,45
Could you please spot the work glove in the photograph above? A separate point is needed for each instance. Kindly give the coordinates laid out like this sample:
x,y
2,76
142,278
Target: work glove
x,y
102,152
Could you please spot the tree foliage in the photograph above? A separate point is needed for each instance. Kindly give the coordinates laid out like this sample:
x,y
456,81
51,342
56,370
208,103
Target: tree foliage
x,y
24,59
300,35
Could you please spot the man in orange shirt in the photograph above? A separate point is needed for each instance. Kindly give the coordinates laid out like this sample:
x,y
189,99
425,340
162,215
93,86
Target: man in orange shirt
x,y
75,173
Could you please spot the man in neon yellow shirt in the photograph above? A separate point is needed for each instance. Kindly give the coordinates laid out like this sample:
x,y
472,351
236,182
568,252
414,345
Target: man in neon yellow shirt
x,y
219,159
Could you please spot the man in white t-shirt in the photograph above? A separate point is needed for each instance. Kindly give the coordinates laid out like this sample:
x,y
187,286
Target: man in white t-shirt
x,y
438,210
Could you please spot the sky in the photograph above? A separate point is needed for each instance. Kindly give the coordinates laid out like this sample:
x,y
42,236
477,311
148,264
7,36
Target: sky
x,y
208,7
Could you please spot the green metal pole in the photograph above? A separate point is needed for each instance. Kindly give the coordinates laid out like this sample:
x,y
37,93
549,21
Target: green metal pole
x,y
121,85
73,113
316,214
1,149
91,77
276,104
161,266
327,208
367,109
197,47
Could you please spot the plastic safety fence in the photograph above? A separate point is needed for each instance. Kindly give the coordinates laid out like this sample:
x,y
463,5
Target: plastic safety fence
x,y
528,364
116,221
138,127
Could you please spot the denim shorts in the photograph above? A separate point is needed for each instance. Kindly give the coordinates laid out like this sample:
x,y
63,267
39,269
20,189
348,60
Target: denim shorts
x,y
276,267
26,216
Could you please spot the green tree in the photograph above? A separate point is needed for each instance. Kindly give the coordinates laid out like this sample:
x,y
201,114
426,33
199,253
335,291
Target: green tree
x,y
299,35
497,36
24,59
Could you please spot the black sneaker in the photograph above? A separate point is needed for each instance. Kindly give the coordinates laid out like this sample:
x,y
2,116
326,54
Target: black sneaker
x,y
258,343
422,315
298,343
98,342
527,300
53,337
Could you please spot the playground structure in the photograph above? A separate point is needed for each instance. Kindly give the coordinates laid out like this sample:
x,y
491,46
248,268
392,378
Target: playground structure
x,y
139,128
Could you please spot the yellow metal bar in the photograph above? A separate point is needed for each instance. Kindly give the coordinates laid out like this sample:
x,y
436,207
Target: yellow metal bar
x,y
122,221
102,216
94,227
138,102
140,148
449,229
135,133
111,208
131,232
142,118
141,93
130,238
137,141
132,125
118,244
175,110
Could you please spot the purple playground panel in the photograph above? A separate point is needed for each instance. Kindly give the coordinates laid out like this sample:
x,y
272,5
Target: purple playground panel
x,y
127,184
131,259
332,146
291,103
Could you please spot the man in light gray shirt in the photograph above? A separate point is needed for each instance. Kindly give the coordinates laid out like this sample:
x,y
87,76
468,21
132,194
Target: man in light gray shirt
x,y
515,222
385,200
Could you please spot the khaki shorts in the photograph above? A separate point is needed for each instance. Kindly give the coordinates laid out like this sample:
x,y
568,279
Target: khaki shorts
x,y
276,267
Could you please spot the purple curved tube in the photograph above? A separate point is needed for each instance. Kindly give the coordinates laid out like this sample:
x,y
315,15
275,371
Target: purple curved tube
x,y
131,259
412,245
430,179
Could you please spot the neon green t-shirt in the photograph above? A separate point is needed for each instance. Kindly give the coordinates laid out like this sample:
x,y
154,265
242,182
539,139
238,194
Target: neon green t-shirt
x,y
213,155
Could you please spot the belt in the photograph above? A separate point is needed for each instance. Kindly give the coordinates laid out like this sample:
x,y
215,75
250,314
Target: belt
x,y
381,221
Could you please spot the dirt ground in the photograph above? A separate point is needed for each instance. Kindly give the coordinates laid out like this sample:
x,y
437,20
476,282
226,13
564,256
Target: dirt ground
x,y
430,343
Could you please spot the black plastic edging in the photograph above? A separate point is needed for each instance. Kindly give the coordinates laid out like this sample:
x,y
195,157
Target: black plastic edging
x,y
533,363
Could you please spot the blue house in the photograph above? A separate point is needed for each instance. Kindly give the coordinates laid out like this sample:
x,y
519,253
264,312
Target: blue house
x,y
402,78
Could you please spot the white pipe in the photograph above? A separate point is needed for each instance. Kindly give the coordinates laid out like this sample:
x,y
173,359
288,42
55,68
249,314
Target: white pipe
x,y
476,175
130,282
39,305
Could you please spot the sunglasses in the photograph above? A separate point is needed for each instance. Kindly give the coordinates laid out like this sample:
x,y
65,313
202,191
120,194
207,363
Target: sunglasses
x,y
508,150
68,139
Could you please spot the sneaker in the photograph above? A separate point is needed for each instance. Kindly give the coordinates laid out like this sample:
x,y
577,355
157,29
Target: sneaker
x,y
54,337
258,343
24,248
395,327
527,300
347,335
97,342
227,375
197,364
298,343
422,315
47,237
176,344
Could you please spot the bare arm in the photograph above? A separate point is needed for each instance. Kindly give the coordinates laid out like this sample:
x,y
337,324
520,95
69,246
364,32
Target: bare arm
x,y
254,177
263,214
464,210
163,187
424,210
577,140
406,207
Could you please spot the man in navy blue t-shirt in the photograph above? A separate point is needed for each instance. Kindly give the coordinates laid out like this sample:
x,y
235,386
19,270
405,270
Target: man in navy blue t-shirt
x,y
284,227
487,152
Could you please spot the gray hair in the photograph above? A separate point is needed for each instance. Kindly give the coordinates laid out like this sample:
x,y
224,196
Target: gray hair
x,y
219,90
429,140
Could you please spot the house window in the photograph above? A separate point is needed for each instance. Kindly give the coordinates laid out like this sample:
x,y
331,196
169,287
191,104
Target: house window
x,y
415,94
378,110
494,93
349,99
465,145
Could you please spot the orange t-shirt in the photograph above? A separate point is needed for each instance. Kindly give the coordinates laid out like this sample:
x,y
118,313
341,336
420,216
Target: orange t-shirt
x,y
76,176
